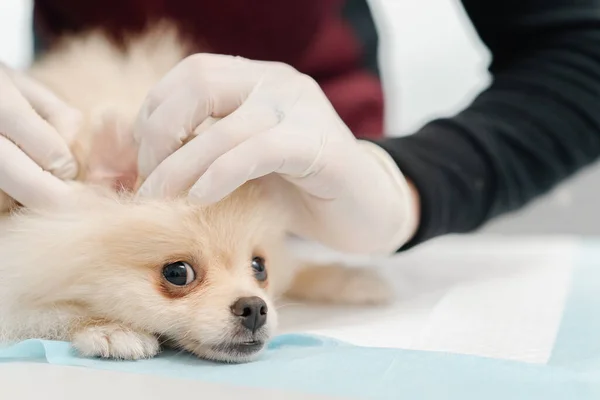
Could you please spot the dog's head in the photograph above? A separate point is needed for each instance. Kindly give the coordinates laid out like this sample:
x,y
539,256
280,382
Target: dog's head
x,y
199,278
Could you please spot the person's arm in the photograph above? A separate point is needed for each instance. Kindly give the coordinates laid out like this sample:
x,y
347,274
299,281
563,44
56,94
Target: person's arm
x,y
537,124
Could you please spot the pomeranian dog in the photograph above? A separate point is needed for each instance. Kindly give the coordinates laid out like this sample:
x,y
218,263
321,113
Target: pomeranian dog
x,y
121,278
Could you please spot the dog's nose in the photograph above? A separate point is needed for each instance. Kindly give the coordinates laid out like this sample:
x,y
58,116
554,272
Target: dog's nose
x,y
252,311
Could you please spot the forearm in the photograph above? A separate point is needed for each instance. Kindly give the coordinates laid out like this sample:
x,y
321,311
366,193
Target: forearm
x,y
536,125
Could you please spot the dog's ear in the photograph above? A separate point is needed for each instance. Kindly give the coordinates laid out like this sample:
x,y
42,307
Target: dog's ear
x,y
112,153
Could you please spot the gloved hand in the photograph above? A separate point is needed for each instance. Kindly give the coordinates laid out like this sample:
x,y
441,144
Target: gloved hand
x,y
345,193
35,127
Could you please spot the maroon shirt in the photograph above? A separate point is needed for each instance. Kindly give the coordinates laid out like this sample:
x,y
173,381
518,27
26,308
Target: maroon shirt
x,y
321,38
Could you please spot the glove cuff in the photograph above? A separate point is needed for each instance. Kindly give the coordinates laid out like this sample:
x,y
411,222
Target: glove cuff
x,y
406,194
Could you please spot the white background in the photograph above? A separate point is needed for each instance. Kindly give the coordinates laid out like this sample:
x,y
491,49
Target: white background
x,y
433,64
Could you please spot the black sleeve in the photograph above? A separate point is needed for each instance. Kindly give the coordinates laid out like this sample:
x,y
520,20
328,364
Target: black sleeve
x,y
535,125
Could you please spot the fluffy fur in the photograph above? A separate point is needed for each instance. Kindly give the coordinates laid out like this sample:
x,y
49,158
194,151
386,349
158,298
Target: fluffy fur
x,y
91,273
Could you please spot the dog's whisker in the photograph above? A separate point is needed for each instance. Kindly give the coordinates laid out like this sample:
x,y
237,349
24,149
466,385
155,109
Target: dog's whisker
x,y
281,306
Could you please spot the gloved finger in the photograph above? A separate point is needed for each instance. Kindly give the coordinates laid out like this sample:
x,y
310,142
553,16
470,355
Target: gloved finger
x,y
274,151
168,119
23,180
182,169
232,78
38,139
207,76
64,118
166,129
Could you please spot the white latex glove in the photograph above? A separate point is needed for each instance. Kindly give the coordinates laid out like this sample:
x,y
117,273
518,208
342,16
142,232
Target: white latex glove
x,y
345,193
35,127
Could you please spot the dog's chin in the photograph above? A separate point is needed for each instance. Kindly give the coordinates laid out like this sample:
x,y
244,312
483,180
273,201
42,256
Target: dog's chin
x,y
230,352
238,350
235,352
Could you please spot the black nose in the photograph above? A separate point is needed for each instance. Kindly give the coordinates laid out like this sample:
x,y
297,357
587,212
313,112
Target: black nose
x,y
252,311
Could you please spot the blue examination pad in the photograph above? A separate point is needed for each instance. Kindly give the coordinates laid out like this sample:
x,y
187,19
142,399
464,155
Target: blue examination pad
x,y
318,365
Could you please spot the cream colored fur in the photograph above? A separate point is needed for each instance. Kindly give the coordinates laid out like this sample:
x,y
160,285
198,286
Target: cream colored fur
x,y
91,273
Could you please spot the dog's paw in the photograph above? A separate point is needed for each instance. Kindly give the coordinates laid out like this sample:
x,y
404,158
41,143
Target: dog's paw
x,y
342,285
114,341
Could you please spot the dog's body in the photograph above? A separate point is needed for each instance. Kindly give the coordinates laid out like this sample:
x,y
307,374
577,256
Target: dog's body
x,y
117,276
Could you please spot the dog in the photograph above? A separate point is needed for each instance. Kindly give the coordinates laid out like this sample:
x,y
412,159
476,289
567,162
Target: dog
x,y
122,278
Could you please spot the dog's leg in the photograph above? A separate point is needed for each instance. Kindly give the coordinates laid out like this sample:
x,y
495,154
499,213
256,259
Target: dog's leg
x,y
99,338
336,283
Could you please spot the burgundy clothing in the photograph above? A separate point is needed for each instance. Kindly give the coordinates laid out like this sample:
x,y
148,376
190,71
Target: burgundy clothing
x,y
315,36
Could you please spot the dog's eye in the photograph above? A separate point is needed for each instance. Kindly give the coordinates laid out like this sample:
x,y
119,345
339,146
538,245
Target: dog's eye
x,y
258,266
179,273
